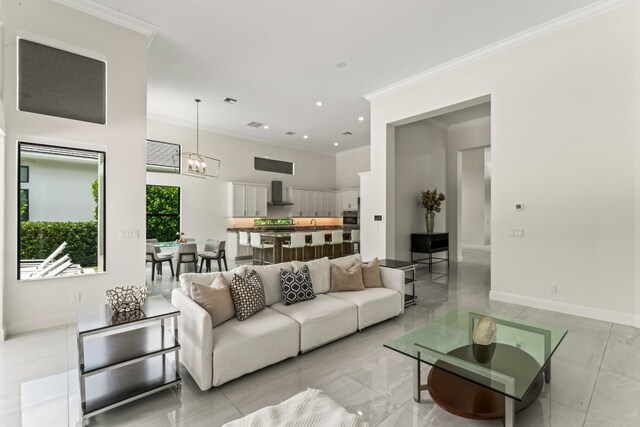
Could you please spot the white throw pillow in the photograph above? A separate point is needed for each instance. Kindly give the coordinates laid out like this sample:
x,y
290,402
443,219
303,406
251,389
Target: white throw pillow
x,y
320,270
270,276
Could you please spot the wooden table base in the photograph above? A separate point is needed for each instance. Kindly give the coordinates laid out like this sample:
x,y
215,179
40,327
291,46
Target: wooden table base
x,y
470,400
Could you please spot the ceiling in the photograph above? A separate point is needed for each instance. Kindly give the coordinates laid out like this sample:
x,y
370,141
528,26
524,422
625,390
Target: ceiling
x,y
279,57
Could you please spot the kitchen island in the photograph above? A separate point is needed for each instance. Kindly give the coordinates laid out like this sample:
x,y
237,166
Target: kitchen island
x,y
278,237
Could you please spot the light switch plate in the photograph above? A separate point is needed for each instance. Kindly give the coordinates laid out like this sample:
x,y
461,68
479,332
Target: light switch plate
x,y
129,234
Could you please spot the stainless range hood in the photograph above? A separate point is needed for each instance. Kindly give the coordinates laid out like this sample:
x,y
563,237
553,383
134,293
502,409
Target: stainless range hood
x,y
276,195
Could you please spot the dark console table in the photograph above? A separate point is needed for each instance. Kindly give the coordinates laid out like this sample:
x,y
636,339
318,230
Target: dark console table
x,y
423,243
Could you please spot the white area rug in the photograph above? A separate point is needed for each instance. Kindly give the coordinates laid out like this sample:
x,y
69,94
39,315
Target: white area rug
x,y
311,408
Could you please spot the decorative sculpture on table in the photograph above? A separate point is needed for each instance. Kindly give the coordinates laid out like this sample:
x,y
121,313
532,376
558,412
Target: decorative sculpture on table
x,y
484,335
124,299
431,201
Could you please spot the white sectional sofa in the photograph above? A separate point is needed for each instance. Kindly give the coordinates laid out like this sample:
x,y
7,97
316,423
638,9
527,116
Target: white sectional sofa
x,y
214,356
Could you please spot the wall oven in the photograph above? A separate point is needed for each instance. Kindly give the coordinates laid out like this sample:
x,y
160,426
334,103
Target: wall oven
x,y
350,220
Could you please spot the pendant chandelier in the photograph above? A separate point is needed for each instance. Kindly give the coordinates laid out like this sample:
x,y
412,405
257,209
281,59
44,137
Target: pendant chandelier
x,y
193,163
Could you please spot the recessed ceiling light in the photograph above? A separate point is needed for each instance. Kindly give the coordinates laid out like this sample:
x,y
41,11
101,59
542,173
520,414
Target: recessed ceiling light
x,y
336,144
306,137
361,118
266,126
319,104
230,100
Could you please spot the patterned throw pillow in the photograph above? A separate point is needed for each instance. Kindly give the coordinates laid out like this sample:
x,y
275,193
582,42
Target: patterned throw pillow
x,y
297,286
248,295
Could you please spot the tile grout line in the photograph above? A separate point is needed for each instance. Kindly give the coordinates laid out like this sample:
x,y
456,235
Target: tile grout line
x,y
597,377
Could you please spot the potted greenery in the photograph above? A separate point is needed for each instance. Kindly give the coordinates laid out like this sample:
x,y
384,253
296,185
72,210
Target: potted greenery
x,y
431,201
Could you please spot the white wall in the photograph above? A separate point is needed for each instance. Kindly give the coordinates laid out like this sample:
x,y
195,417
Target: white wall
x,y
420,151
39,304
564,142
204,201
60,190
473,198
349,164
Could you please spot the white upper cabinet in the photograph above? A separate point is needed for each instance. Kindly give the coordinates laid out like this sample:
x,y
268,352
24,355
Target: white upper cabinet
x,y
247,200
350,199
318,203
329,203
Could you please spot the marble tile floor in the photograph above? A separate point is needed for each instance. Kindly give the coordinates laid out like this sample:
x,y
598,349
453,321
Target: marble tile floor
x,y
596,371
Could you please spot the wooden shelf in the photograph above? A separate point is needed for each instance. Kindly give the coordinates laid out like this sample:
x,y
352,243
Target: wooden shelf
x,y
118,386
116,350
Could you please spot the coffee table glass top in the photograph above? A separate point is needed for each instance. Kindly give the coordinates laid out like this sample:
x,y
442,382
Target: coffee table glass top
x,y
510,367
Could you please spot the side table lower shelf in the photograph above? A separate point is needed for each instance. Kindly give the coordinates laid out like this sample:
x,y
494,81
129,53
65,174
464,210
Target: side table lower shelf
x,y
116,387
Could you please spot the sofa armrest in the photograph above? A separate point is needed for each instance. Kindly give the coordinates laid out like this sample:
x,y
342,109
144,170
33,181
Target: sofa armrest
x,y
394,279
196,339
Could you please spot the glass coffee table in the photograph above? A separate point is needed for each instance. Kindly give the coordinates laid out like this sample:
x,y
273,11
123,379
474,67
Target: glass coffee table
x,y
481,382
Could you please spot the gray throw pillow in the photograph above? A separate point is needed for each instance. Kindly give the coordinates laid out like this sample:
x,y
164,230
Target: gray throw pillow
x,y
215,299
346,280
371,274
248,295
296,287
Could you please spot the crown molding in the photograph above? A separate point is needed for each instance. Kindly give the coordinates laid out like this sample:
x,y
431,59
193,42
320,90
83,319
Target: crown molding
x,y
191,125
470,123
114,16
538,31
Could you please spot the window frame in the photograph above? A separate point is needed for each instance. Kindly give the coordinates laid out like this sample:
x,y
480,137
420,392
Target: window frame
x,y
179,215
102,199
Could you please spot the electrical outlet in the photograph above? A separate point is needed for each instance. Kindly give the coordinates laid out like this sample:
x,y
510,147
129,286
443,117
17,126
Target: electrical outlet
x,y
517,232
553,288
75,297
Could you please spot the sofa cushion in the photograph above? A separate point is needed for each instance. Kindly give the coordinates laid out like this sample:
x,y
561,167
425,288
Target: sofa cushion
x,y
296,287
346,280
207,278
265,338
216,299
374,304
270,275
248,295
320,270
321,320
346,262
371,274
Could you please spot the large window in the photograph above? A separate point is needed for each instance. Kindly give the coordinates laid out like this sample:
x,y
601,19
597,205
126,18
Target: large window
x,y
163,212
60,211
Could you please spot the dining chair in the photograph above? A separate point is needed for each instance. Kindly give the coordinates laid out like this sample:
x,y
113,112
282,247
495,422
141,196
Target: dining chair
x,y
317,240
156,259
214,250
337,238
187,254
256,242
354,241
296,240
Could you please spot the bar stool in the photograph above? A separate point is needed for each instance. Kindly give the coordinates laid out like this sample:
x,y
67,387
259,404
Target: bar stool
x,y
256,242
244,238
317,240
337,238
354,240
297,240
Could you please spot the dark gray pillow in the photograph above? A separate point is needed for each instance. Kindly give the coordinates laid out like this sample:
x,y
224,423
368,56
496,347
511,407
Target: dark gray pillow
x,y
248,295
297,286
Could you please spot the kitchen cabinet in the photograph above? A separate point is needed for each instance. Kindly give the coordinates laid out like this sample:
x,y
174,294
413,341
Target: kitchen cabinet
x,y
247,200
313,203
350,199
329,203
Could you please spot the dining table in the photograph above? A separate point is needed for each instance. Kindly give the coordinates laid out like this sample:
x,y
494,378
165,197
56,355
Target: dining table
x,y
277,238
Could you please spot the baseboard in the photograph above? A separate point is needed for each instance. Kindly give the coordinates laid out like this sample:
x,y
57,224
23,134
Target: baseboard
x,y
2,335
486,248
39,323
563,307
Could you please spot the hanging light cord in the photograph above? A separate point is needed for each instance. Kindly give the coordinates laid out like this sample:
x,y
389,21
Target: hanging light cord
x,y
197,126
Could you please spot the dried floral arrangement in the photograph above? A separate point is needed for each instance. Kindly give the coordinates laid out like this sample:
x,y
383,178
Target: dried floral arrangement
x,y
431,200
